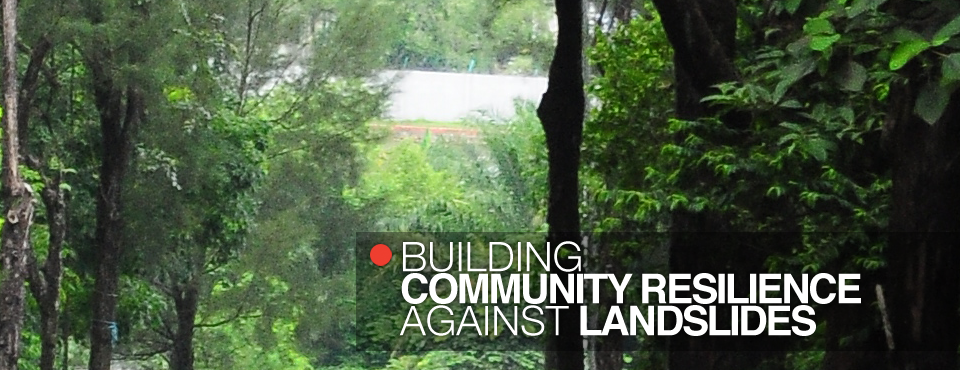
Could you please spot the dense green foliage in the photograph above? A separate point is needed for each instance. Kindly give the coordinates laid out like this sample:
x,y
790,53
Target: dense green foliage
x,y
505,36
255,165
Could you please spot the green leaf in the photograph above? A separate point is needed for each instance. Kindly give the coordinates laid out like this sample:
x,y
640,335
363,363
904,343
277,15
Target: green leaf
x,y
818,148
774,191
792,103
949,30
797,47
864,48
861,6
821,43
818,26
772,54
931,102
900,35
950,71
847,114
906,51
791,126
792,74
852,77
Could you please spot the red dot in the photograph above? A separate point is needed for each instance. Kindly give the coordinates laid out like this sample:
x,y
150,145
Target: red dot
x,y
380,254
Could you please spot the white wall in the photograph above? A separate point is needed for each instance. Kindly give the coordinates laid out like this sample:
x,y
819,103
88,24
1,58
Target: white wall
x,y
438,96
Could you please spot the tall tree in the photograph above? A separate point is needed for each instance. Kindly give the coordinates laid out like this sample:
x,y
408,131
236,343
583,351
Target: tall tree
x,y
120,104
44,279
703,36
195,220
702,33
197,205
18,205
923,253
120,112
561,113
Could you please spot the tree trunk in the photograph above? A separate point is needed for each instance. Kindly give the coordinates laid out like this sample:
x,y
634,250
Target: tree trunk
x,y
185,301
561,113
18,205
703,34
924,252
65,339
49,315
121,110
107,275
45,281
116,127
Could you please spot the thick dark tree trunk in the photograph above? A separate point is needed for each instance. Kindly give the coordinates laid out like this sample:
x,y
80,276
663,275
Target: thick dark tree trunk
x,y
703,35
121,109
17,205
107,275
924,249
118,121
185,301
561,113
109,226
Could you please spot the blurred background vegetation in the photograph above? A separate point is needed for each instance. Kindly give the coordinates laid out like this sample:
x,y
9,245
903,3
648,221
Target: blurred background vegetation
x,y
232,149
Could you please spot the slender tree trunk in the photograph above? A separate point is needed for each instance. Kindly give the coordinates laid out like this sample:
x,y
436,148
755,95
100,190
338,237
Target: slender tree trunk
x,y
185,302
45,281
31,79
561,113
49,315
65,339
18,205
